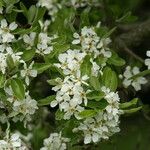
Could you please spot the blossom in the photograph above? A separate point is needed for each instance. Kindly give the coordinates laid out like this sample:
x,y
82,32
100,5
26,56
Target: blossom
x,y
147,61
55,142
29,39
92,43
5,31
28,72
3,63
136,83
44,44
105,123
13,142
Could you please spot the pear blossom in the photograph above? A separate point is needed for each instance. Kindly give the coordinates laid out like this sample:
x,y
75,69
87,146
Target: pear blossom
x,y
29,39
13,142
55,142
3,63
136,83
147,61
44,44
5,31
28,72
91,43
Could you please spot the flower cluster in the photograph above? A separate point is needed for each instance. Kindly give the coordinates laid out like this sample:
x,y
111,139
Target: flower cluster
x,y
21,109
128,80
105,123
6,38
147,61
92,44
12,142
55,142
44,45
70,92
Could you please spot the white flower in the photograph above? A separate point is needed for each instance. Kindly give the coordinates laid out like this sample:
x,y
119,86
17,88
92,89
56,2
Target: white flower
x,y
28,72
12,143
91,43
55,142
147,61
44,44
5,31
136,83
29,39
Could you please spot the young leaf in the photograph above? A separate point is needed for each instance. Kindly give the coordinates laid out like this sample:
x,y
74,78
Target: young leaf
x,y
109,79
41,67
28,54
115,60
2,80
94,82
46,101
86,66
87,113
95,95
18,88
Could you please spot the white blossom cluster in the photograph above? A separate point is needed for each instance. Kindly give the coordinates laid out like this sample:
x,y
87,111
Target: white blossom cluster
x,y
92,44
12,142
137,82
22,110
51,5
147,61
70,92
44,45
6,38
55,142
105,123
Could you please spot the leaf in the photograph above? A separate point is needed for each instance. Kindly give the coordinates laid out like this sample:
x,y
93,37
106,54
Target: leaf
x,y
22,31
128,104
95,83
46,101
116,60
86,66
59,115
28,54
31,13
18,88
41,67
141,74
2,80
100,105
87,113
133,110
109,79
95,95
10,62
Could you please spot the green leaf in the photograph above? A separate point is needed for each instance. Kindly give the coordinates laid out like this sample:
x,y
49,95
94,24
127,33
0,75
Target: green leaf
x,y
116,60
22,31
2,80
59,115
95,83
41,67
141,74
86,66
128,104
46,101
87,113
18,88
110,79
31,13
133,110
10,62
28,54
100,105
95,95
